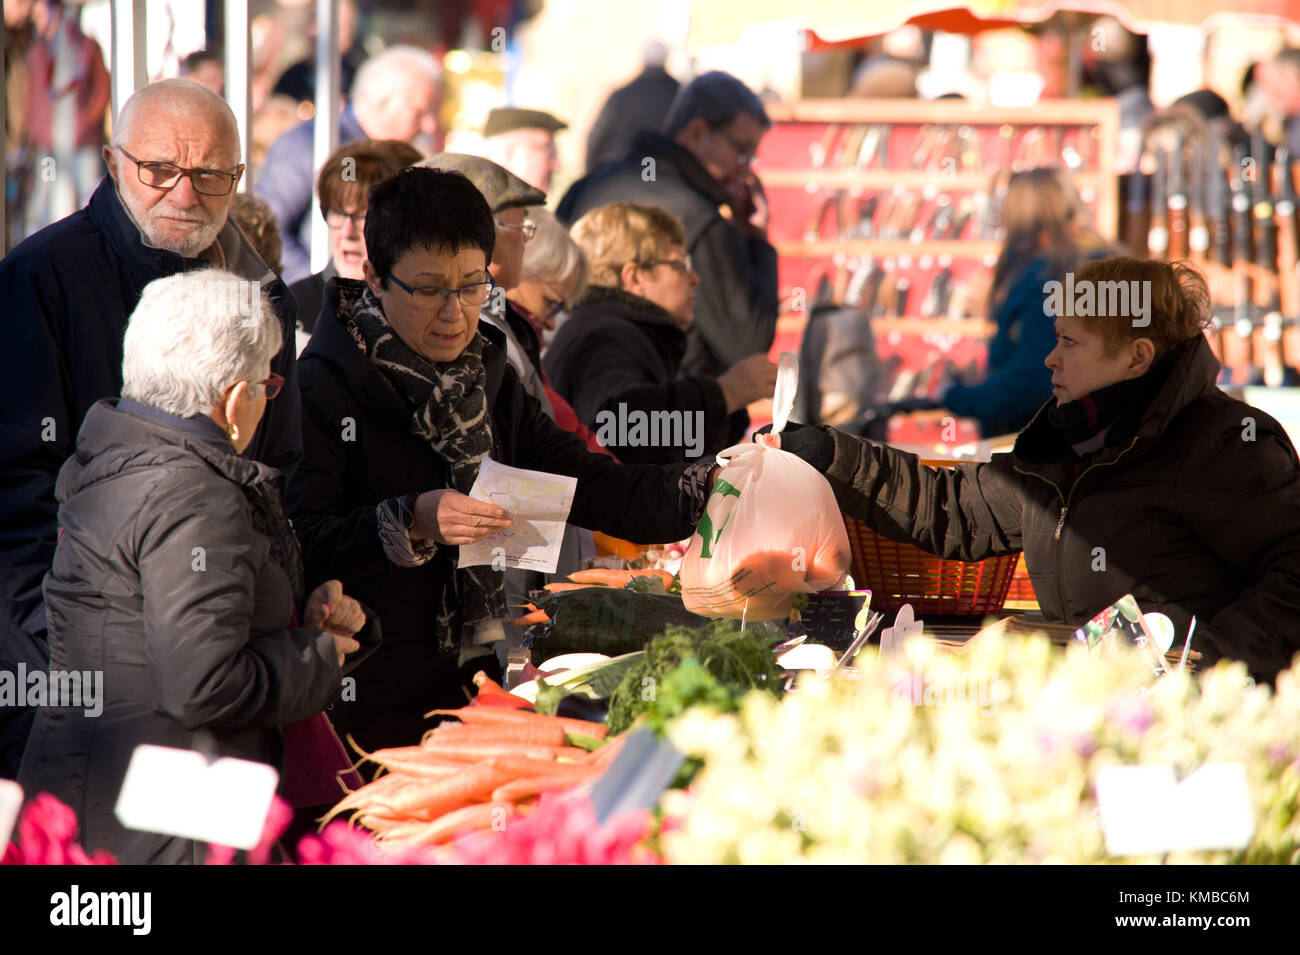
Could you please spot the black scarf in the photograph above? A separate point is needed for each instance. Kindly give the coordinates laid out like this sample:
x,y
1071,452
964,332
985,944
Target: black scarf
x,y
449,409
1117,410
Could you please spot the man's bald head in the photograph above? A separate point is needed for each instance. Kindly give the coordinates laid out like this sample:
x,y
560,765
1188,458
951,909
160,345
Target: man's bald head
x,y
156,107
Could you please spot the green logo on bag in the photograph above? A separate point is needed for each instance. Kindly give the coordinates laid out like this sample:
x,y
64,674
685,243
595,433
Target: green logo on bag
x,y
722,489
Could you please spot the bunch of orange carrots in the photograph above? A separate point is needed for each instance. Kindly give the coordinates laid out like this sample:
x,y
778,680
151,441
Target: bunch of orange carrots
x,y
474,774
596,577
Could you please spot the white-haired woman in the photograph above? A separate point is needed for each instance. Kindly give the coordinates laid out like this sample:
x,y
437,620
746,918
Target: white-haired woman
x,y
176,574
555,274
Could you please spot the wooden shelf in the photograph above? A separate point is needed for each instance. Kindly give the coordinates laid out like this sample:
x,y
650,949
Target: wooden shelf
x,y
980,328
1060,112
914,179
890,248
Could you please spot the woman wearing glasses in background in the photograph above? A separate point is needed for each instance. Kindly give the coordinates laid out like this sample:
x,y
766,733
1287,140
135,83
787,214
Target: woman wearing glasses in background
x,y
625,339
405,391
177,577
342,185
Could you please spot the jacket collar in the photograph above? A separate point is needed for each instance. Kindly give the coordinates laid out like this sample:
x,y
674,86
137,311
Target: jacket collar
x,y
661,147
112,441
332,343
604,300
147,263
1043,448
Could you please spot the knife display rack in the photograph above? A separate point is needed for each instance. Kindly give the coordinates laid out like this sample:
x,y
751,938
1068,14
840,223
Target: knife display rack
x,y
1225,201
893,207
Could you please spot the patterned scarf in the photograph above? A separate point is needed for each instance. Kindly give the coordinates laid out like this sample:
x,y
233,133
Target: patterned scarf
x,y
449,410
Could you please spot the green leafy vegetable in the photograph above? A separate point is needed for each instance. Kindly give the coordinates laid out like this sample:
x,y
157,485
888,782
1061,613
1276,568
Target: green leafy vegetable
x,y
715,665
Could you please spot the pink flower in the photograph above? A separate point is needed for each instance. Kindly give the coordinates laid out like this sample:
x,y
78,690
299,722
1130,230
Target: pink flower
x,y
47,835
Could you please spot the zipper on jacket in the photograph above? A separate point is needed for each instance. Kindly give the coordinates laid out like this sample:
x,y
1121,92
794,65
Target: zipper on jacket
x,y
1065,507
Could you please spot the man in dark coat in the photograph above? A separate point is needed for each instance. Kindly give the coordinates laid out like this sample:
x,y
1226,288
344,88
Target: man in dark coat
x,y
698,170
1158,485
65,296
640,106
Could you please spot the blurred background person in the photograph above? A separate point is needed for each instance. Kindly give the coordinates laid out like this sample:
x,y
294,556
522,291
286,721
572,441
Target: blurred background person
x,y
396,95
256,220
622,347
158,477
554,274
298,81
640,106
343,186
1047,235
19,34
205,68
1279,84
700,173
67,98
523,141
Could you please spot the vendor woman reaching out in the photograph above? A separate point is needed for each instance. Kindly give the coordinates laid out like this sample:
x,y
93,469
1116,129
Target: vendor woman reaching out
x,y
1138,476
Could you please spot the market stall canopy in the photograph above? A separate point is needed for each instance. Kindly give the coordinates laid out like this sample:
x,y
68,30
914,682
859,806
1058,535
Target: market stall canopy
x,y
723,21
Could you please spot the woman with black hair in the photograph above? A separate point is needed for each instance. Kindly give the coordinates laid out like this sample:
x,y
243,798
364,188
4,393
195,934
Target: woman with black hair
x,y
404,393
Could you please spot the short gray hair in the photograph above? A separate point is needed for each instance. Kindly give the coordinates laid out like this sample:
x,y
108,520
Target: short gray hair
x,y
552,255
380,74
715,97
192,336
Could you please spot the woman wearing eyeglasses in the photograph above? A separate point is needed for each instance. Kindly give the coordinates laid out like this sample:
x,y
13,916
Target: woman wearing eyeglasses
x,y
342,184
405,392
618,356
177,577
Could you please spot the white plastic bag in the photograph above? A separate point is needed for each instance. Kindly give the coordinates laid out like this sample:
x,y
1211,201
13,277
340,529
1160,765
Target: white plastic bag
x,y
771,529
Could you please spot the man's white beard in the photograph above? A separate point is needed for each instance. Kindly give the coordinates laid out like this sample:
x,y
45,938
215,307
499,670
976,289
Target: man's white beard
x,y
198,237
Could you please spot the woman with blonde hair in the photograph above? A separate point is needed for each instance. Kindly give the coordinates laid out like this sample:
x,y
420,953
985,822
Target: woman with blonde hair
x,y
618,356
1047,234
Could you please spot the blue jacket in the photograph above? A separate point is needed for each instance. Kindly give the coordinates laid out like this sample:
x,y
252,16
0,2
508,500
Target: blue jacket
x,y
1017,381
287,181
66,294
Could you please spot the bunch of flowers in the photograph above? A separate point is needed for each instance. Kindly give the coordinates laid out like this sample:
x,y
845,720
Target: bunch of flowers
x,y
989,756
47,835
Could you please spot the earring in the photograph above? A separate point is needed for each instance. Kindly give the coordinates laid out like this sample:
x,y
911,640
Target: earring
x,y
234,432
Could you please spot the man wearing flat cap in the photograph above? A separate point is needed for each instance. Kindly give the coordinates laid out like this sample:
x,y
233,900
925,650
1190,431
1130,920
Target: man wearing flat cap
x,y
523,140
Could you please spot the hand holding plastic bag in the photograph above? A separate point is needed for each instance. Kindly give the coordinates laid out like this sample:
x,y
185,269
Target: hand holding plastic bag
x,y
771,529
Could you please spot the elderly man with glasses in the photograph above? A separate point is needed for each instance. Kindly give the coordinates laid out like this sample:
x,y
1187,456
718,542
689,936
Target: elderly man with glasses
x,y
65,296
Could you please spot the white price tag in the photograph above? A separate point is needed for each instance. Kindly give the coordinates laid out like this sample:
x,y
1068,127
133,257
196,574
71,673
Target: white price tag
x,y
1146,810
11,803
179,793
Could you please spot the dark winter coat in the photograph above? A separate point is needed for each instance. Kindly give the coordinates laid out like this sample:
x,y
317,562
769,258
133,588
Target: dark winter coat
x,y
621,349
66,294
640,106
736,302
359,451
309,295
174,576
1199,513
